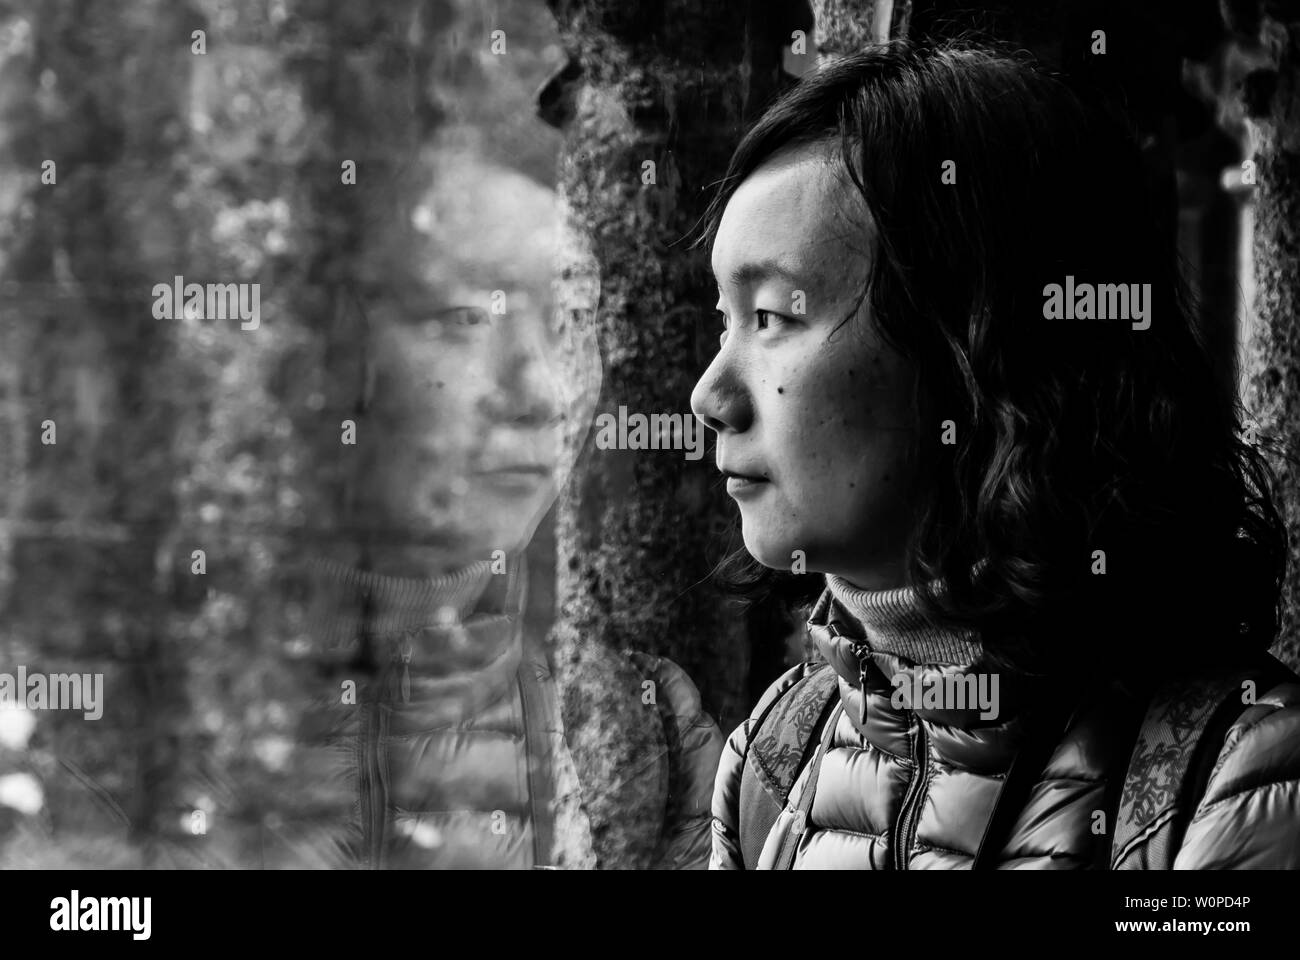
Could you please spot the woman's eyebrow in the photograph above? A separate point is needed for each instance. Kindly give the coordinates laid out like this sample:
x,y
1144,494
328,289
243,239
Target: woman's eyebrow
x,y
748,273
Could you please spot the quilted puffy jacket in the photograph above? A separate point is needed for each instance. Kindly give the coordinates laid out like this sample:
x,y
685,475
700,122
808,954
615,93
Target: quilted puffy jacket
x,y
453,750
449,747
915,788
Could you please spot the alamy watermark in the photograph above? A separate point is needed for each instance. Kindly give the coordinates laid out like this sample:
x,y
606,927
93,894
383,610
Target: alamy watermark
x,y
76,913
53,691
947,691
658,431
1101,301
212,301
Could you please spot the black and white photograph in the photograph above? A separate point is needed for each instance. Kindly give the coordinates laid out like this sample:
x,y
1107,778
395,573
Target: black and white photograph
x,y
643,436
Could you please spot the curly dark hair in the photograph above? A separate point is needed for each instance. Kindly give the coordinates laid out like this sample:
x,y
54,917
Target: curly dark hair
x,y
1081,445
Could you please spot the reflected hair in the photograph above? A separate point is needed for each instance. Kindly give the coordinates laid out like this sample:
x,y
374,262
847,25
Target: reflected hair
x,y
1081,446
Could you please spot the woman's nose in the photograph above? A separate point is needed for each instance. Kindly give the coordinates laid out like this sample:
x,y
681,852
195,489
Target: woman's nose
x,y
526,390
719,399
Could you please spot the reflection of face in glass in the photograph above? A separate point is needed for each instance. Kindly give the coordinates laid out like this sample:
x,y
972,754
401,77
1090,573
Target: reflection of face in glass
x,y
460,444
469,391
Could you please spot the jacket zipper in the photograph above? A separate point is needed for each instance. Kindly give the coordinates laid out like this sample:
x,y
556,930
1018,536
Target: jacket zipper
x,y
861,650
911,799
395,681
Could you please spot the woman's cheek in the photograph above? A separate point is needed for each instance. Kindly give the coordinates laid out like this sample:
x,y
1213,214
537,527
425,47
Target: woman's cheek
x,y
825,410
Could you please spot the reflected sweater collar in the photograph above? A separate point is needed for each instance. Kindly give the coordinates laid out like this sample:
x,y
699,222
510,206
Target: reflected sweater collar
x,y
351,601
891,622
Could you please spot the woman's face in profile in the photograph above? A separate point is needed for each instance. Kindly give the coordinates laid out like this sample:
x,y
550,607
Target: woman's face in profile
x,y
813,416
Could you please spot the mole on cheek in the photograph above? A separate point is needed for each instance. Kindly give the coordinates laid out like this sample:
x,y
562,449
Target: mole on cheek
x,y
780,389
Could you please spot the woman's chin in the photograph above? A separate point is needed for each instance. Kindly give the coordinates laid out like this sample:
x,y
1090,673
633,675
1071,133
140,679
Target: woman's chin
x,y
772,553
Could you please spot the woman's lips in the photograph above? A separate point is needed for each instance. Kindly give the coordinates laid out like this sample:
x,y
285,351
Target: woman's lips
x,y
522,477
742,485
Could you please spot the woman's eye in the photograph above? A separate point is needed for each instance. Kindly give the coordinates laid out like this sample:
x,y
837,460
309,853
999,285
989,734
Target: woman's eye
x,y
762,319
463,316
470,316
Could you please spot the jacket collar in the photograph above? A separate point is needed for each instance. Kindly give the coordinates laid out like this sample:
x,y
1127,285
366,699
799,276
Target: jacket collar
x,y
882,689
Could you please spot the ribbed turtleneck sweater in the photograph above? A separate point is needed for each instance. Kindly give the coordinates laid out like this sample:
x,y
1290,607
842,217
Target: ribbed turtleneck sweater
x,y
349,601
891,622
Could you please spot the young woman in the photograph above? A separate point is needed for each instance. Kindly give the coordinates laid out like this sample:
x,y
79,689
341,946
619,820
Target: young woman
x,y
959,378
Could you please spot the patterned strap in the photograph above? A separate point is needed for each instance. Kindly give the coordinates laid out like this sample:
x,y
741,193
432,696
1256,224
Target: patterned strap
x,y
790,842
778,748
1159,794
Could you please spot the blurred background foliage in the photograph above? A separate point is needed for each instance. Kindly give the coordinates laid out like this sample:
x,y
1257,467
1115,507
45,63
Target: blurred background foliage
x,y
194,434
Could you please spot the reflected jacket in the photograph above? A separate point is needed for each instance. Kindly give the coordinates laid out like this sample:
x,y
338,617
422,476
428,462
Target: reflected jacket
x,y
454,748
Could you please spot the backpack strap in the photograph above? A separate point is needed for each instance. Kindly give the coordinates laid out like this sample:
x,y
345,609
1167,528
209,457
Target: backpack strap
x,y
780,745
1047,727
790,842
1177,744
537,699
